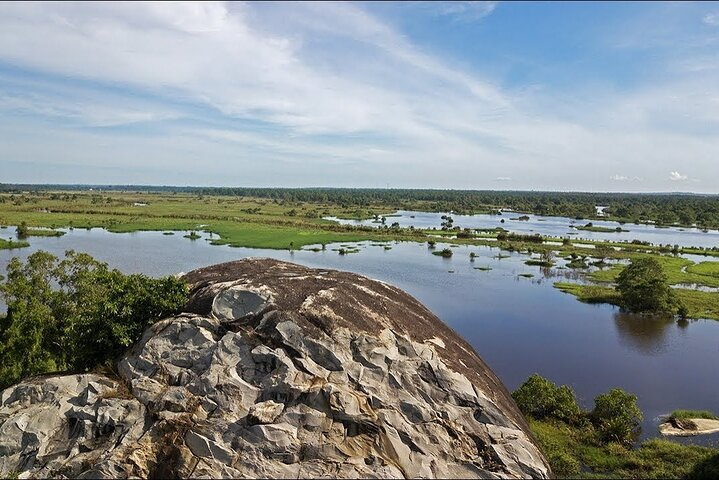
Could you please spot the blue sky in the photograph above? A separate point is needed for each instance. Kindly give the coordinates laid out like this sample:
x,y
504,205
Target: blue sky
x,y
544,96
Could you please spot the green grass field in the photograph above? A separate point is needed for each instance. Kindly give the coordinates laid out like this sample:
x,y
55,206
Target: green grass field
x,y
688,414
601,229
572,454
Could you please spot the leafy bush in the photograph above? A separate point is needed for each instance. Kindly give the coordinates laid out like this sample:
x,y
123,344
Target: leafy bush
x,y
540,398
76,313
616,416
563,464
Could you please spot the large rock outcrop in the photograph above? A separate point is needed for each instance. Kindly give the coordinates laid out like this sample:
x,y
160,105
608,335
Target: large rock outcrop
x,y
277,370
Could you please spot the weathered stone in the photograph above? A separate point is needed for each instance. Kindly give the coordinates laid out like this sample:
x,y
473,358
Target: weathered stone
x,y
265,412
277,370
236,303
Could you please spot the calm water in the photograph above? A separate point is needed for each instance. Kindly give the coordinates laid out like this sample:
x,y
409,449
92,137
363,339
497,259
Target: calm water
x,y
556,227
519,325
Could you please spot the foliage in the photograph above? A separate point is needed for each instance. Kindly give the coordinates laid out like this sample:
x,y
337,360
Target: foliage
x,y
540,398
22,230
616,416
663,209
583,447
643,287
76,313
573,452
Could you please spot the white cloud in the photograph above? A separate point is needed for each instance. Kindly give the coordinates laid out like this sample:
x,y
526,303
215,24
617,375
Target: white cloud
x,y
711,19
464,11
677,177
330,86
624,178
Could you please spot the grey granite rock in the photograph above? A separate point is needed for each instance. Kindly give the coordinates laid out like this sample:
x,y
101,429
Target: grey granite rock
x,y
277,370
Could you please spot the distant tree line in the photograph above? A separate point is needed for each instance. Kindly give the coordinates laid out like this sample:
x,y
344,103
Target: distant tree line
x,y
665,209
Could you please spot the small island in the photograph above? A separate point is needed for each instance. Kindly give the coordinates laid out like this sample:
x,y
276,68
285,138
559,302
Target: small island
x,y
687,423
590,227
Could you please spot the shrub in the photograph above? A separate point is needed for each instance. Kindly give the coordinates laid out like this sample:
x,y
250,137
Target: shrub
x,y
446,253
540,398
563,464
22,230
616,416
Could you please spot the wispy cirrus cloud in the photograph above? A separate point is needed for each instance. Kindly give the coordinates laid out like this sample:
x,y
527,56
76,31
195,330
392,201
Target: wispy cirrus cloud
x,y
624,178
711,19
470,11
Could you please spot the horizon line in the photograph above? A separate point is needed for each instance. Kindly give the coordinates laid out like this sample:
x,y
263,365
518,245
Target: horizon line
x,y
139,185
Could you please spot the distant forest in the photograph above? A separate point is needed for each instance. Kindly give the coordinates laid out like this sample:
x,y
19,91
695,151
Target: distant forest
x,y
662,208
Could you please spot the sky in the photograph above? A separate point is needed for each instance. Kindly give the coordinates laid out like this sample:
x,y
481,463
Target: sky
x,y
464,95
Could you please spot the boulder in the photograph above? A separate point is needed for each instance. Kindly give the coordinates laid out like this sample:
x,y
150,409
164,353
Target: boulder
x,y
277,370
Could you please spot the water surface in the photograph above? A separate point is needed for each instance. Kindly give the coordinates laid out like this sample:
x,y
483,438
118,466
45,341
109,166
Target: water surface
x,y
555,227
518,325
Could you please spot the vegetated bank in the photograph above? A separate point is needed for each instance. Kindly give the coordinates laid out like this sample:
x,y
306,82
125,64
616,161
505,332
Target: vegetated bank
x,y
283,222
659,209
600,443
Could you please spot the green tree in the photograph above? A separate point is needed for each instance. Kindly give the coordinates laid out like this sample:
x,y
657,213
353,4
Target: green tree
x,y
76,313
22,230
643,287
616,416
539,398
29,332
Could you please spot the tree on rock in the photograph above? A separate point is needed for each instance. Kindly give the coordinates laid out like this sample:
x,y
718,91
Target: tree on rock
x,y
75,314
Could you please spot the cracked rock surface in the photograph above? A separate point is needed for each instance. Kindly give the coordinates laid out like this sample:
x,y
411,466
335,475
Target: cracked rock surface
x,y
277,370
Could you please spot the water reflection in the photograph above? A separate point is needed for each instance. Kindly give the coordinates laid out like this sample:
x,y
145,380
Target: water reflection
x,y
645,333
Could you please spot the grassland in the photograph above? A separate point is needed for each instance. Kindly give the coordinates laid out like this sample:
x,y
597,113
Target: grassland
x,y
285,224
594,228
706,269
689,414
43,232
589,293
12,244
239,222
572,454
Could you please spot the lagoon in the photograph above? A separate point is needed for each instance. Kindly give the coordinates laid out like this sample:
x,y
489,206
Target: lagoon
x,y
518,325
